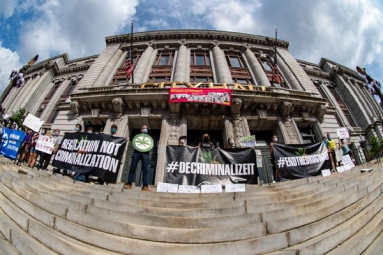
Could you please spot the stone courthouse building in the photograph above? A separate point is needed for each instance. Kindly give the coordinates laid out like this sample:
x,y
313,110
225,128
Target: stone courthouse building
x,y
308,101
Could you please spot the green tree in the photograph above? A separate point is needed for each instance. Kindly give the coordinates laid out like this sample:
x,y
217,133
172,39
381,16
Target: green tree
x,y
19,116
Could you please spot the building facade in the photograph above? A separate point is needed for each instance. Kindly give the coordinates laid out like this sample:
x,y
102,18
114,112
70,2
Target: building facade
x,y
308,101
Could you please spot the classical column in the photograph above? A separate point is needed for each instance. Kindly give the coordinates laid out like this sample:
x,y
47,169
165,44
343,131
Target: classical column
x,y
257,69
37,95
92,75
143,64
56,96
108,69
160,168
286,71
24,94
181,64
222,69
290,131
292,70
229,131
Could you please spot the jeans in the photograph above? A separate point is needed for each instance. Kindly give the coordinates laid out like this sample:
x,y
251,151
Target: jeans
x,y
137,156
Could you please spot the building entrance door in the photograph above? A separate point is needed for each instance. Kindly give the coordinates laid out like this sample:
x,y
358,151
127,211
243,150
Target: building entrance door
x,y
194,137
263,139
153,154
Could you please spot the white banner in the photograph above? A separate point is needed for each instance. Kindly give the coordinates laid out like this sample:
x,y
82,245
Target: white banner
x,y
33,122
45,144
343,133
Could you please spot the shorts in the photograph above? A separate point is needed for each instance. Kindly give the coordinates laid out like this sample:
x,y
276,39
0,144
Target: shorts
x,y
33,149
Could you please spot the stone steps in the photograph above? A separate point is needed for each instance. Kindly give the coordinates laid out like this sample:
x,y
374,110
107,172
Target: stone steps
x,y
339,214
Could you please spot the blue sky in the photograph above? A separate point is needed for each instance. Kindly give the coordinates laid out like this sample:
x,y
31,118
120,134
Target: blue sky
x,y
346,31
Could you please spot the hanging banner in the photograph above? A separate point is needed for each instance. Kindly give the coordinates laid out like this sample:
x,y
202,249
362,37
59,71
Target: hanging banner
x,y
196,166
45,144
92,154
301,160
11,142
200,95
33,122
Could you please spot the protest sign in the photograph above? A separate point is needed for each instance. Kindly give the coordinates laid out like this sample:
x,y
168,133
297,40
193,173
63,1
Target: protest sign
x,y
248,141
343,133
92,154
33,122
45,144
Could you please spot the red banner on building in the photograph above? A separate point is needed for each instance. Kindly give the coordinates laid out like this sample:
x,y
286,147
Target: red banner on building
x,y
200,95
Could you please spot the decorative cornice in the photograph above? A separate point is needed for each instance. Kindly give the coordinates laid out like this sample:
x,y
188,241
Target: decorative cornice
x,y
209,35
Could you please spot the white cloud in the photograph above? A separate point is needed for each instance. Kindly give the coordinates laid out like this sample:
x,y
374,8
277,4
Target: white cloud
x,y
7,8
9,61
78,28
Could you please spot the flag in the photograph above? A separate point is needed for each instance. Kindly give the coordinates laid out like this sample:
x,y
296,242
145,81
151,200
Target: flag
x,y
277,77
129,65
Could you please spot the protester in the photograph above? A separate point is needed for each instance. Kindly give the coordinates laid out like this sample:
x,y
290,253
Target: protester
x,y
182,141
345,148
332,147
206,142
136,157
45,158
230,143
24,148
32,151
274,140
89,130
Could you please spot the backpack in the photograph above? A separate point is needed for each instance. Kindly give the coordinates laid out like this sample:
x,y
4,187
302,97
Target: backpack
x,y
79,177
331,145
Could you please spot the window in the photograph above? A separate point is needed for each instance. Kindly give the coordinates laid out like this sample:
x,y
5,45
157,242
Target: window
x,y
200,58
200,66
53,90
243,80
307,135
342,106
266,65
238,69
234,59
164,59
70,88
120,74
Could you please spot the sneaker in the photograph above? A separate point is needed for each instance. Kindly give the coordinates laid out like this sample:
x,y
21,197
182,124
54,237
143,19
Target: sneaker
x,y
127,186
145,188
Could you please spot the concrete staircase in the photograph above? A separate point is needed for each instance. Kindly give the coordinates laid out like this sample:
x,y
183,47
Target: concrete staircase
x,y
41,213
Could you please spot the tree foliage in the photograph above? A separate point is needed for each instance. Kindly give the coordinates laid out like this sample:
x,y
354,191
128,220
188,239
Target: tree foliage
x,y
19,116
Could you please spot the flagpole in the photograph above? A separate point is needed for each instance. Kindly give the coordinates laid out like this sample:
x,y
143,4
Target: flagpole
x,y
131,47
275,47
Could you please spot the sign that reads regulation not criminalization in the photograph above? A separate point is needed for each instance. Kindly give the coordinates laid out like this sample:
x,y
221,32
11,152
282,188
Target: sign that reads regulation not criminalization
x,y
93,154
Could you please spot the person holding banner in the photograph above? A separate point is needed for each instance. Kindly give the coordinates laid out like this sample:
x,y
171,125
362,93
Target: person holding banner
x,y
45,158
182,141
230,143
206,142
136,157
274,140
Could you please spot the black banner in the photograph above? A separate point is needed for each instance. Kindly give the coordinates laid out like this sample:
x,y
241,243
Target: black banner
x,y
302,160
194,166
92,154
